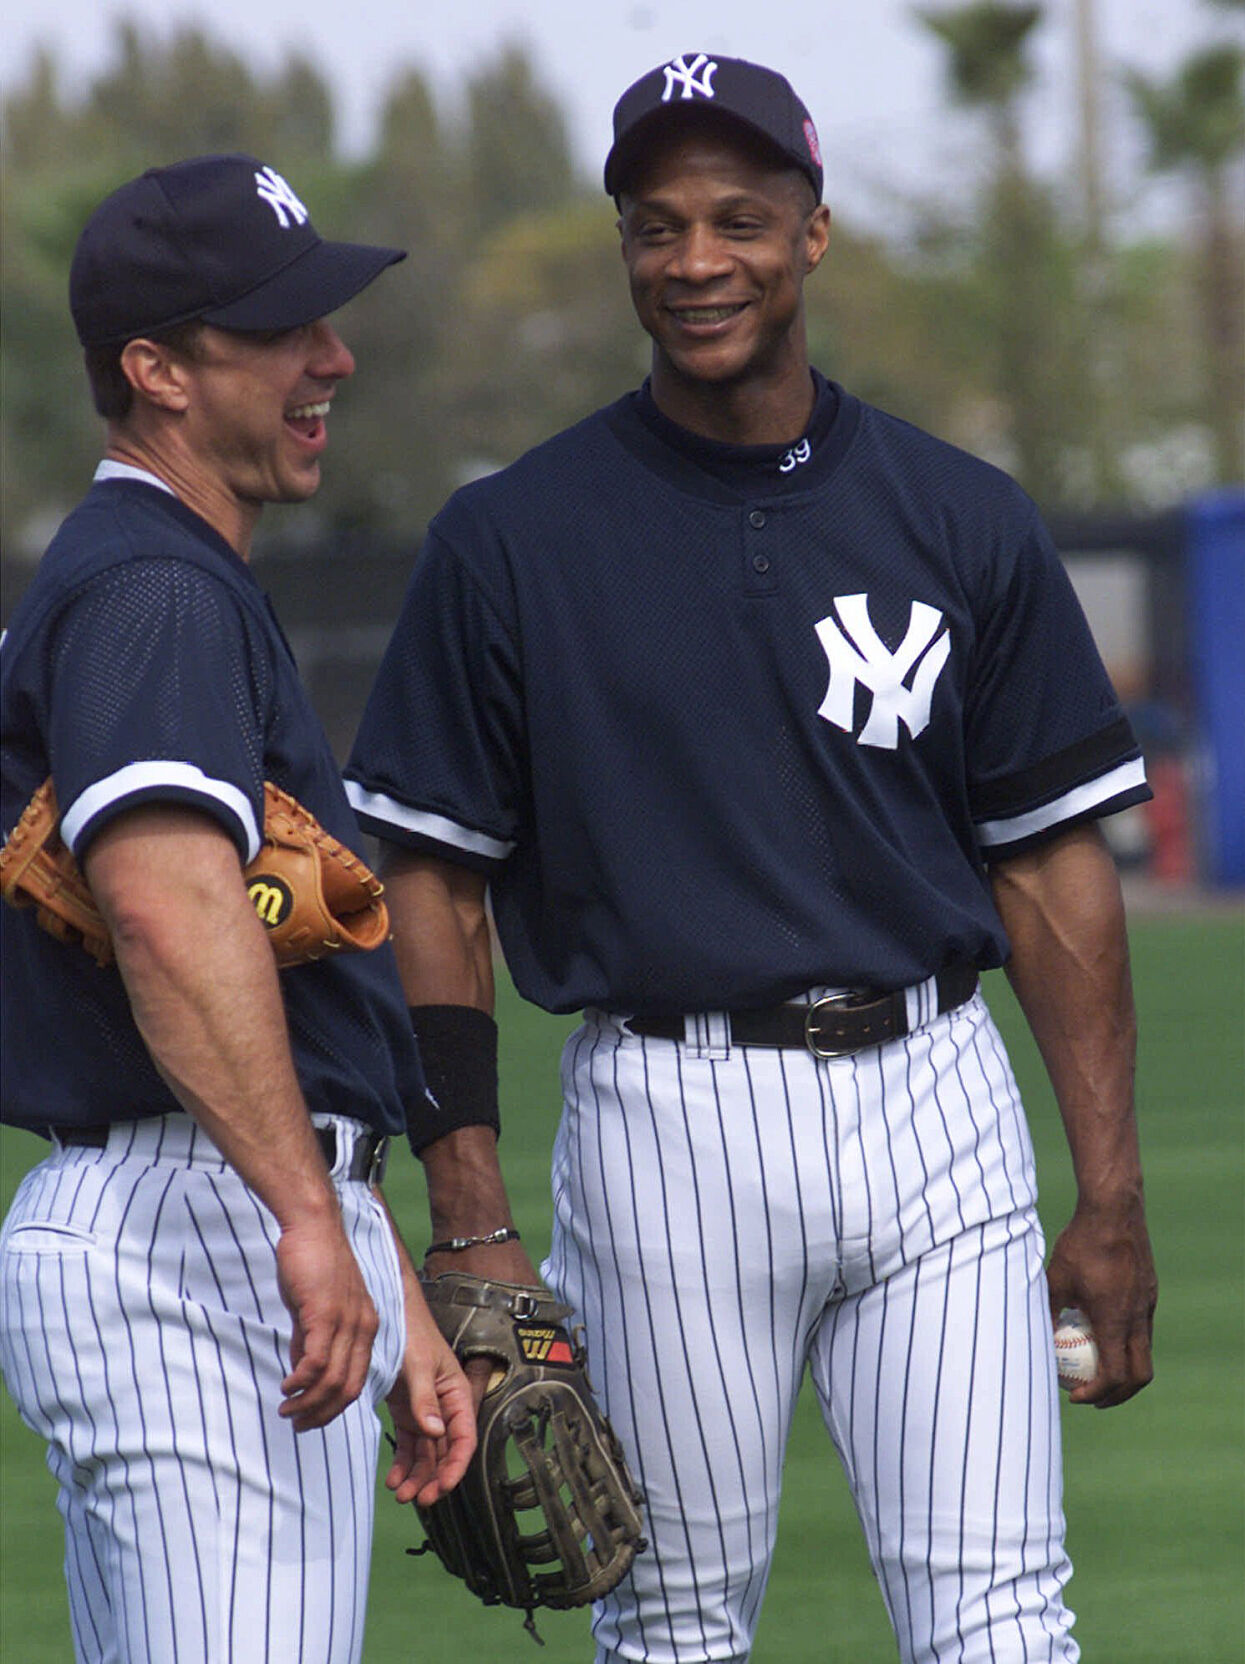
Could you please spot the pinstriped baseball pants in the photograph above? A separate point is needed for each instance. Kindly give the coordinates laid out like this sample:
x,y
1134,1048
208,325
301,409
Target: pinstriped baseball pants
x,y
725,1217
143,1336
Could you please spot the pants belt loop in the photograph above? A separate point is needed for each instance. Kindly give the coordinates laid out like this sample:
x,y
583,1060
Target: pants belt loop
x,y
707,1034
921,1000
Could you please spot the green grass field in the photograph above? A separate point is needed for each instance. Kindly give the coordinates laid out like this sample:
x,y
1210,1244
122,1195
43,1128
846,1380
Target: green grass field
x,y
1155,1490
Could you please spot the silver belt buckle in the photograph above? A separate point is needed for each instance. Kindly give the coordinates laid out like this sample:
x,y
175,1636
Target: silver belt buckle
x,y
814,1045
379,1162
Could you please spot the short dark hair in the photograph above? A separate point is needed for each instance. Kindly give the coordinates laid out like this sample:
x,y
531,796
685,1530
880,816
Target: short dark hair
x,y
110,386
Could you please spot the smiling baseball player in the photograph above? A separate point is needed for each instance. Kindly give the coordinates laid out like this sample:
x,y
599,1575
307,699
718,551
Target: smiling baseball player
x,y
202,1297
769,721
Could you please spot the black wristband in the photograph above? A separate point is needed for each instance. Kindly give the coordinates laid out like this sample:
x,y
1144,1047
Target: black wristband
x,y
458,1048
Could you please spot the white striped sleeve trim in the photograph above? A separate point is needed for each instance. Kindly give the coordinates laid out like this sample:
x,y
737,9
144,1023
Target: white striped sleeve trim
x,y
149,778
1081,800
377,807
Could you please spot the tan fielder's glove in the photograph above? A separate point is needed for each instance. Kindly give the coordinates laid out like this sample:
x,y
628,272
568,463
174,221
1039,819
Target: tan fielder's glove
x,y
547,1513
312,895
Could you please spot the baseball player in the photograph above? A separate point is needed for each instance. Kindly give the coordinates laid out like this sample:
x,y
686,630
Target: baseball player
x,y
767,722
202,1297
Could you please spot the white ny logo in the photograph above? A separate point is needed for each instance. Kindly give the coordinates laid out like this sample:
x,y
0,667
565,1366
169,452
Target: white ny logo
x,y
681,73
882,672
279,197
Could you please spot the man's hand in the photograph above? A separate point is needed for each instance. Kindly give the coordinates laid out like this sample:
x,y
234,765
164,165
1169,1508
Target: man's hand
x,y
1103,1264
335,1322
434,1417
503,1262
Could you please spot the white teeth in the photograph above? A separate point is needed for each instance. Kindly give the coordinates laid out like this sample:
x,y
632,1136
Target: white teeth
x,y
705,314
305,411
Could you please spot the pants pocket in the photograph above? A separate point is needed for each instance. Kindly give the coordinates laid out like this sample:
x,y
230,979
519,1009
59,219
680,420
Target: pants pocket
x,y
40,1237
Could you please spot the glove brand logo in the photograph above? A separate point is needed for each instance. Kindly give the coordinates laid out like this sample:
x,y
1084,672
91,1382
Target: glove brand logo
x,y
271,898
683,75
544,1346
857,654
280,198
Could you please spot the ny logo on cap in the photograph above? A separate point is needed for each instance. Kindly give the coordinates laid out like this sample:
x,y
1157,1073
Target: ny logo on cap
x,y
863,658
682,74
279,197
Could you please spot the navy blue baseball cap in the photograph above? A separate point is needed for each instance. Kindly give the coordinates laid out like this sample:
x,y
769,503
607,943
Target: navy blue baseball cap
x,y
218,238
759,98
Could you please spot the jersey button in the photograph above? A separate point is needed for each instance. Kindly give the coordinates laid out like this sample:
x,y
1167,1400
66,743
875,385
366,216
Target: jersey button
x,y
757,519
760,563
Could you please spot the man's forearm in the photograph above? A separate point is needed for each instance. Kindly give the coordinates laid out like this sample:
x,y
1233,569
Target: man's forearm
x,y
445,958
440,930
1064,914
205,998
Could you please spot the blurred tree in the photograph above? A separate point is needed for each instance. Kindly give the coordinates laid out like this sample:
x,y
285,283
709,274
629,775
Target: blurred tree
x,y
49,436
407,195
902,334
1196,124
1019,244
510,316
159,100
988,68
545,332
36,126
516,149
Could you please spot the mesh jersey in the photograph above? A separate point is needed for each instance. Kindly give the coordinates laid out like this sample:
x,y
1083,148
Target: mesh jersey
x,y
144,664
723,725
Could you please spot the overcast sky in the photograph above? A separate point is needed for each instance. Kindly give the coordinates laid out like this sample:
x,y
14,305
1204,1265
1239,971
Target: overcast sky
x,y
870,75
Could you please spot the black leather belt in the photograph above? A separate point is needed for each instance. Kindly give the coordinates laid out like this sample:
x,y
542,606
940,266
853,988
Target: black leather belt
x,y
368,1159
835,1026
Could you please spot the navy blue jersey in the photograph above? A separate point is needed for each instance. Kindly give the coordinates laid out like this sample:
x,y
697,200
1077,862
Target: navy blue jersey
x,y
724,724
144,664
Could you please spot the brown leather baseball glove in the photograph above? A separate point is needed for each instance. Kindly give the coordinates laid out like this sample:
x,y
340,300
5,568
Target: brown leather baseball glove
x,y
547,1513
313,896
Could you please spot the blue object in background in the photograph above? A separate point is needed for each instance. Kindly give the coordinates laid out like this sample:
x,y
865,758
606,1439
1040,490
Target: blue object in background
x,y
1215,556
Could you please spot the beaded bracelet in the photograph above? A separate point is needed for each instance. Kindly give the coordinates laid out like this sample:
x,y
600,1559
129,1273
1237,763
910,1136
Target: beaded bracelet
x,y
456,1244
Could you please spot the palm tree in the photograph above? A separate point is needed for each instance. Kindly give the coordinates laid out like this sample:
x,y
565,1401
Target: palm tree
x,y
987,71
1196,125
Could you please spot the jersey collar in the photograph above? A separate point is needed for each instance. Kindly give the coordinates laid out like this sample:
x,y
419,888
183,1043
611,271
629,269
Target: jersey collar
x,y
735,473
110,469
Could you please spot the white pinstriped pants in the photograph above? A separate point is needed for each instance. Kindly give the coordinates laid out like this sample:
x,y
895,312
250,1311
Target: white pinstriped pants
x,y
725,1216
143,1335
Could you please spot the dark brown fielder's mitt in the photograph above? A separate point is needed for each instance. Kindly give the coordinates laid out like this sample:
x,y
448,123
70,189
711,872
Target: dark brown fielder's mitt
x,y
547,1513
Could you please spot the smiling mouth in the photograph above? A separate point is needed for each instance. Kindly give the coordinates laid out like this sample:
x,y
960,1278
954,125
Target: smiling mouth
x,y
704,315
307,420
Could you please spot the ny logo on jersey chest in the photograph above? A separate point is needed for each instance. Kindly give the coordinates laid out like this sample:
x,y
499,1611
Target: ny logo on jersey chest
x,y
902,683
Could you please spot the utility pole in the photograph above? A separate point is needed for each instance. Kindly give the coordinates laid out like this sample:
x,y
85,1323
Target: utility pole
x,y
1089,82
1095,275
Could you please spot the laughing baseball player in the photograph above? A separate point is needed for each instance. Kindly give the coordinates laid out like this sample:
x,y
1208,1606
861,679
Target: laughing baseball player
x,y
202,1296
768,722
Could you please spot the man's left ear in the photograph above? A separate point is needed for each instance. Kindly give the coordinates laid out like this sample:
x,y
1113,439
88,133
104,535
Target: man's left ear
x,y
156,373
817,236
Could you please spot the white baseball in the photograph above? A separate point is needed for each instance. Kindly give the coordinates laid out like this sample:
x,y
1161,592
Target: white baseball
x,y
1076,1352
